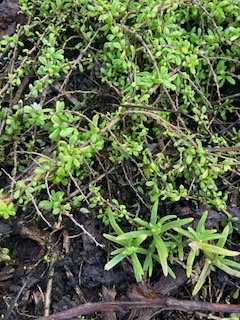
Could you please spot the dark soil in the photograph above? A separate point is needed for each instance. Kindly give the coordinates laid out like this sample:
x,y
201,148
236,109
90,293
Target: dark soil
x,y
75,275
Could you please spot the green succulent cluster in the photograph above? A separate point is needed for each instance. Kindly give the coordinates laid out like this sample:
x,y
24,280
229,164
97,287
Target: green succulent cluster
x,y
164,245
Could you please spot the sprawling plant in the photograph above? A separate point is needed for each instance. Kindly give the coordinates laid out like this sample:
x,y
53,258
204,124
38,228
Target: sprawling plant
x,y
99,95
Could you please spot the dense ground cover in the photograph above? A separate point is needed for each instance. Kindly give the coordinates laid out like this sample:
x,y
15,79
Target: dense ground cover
x,y
119,134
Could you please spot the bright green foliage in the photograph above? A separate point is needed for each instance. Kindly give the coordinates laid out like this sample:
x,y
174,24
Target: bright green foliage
x,y
148,76
215,254
6,210
55,203
156,231
153,231
4,255
146,50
